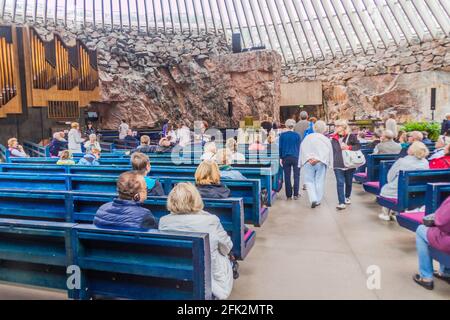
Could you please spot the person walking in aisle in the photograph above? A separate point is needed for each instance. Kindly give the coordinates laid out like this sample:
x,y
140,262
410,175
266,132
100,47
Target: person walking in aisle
x,y
303,124
391,124
340,141
316,155
289,150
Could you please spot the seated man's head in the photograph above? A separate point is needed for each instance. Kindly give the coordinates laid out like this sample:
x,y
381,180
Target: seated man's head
x,y
141,163
131,186
415,136
207,173
387,135
12,143
129,132
419,150
210,147
184,199
145,140
223,157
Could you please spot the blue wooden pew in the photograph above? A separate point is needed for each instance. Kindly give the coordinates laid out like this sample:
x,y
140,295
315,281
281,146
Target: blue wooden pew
x,y
70,206
4,153
262,174
412,187
436,194
360,175
255,213
113,264
382,169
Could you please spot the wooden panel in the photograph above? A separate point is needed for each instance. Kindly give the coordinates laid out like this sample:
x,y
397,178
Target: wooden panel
x,y
10,100
301,93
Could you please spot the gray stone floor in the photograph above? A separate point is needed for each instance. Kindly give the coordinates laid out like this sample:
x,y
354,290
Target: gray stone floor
x,y
302,253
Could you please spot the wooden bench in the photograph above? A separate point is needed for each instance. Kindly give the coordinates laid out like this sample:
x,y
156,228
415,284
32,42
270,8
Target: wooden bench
x,y
382,169
412,187
36,150
113,264
249,190
262,174
436,194
71,206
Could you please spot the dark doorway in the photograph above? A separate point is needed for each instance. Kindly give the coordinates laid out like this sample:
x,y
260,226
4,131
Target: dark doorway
x,y
293,112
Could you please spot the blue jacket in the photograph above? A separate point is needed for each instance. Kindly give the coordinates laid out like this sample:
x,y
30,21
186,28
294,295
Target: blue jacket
x,y
290,144
154,187
227,172
125,215
89,160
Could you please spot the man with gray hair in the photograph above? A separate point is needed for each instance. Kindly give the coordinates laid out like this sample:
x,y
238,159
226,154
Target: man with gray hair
x,y
303,124
289,149
413,136
387,144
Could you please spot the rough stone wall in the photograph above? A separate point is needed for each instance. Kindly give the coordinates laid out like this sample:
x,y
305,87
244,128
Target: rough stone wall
x,y
396,79
146,78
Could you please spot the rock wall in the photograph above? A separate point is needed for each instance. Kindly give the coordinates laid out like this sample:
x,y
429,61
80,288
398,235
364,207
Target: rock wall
x,y
397,79
146,78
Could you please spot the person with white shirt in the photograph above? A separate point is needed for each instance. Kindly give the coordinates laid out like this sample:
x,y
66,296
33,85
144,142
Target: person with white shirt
x,y
316,156
391,124
74,138
210,151
187,215
123,129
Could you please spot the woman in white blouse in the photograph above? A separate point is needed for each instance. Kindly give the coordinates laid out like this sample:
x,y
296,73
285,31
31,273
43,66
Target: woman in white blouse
x,y
74,138
187,215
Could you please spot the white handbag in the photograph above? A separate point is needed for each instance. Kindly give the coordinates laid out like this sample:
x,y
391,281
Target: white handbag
x,y
353,159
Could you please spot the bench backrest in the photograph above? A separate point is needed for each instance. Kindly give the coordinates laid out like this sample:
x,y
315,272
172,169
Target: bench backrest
x,y
412,186
436,194
122,264
4,153
80,207
262,174
373,164
36,150
248,190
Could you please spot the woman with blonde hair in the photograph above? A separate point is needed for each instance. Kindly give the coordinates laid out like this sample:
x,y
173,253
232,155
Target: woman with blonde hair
x,y
207,181
74,138
415,160
187,215
92,143
341,140
15,149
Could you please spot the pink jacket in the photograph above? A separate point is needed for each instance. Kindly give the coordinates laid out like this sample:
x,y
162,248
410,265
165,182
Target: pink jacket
x,y
439,236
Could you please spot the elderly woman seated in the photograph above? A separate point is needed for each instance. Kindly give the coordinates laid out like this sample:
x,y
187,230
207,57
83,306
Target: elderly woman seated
x,y
207,181
223,159
437,237
15,149
415,160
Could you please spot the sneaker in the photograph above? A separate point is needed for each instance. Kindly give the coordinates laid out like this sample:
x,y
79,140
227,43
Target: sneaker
x,y
314,204
341,207
289,198
384,217
348,201
296,197
304,187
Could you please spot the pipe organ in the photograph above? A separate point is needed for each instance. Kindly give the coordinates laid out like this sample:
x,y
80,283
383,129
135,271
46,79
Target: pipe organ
x,y
10,100
61,77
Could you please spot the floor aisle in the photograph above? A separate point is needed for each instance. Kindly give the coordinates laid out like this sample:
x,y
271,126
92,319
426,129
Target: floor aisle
x,y
302,253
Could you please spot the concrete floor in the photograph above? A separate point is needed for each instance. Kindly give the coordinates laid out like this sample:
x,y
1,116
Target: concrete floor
x,y
302,253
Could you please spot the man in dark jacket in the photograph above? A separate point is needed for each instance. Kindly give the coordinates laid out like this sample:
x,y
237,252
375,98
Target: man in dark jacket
x,y
126,212
289,150
141,164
